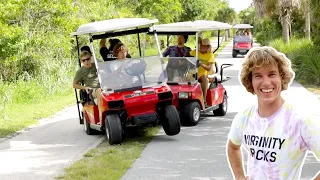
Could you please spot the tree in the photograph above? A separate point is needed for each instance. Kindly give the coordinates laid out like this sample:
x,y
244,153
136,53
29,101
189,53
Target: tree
x,y
227,15
283,8
248,16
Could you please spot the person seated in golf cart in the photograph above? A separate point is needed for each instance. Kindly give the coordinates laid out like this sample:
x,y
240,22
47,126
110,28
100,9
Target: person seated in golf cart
x,y
179,50
107,53
121,76
206,62
87,48
86,77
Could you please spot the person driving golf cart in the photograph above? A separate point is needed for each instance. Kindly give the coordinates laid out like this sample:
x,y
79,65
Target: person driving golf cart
x,y
206,61
179,50
86,77
121,76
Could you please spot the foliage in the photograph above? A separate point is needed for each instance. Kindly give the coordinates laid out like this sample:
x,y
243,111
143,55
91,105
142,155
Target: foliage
x,y
227,15
304,57
315,21
248,16
267,29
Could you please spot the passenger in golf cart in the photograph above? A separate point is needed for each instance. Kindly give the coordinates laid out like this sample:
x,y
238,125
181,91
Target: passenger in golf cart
x,y
107,53
205,63
179,50
87,48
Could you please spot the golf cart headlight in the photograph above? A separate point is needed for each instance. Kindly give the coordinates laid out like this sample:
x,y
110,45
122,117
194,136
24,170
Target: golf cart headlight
x,y
184,95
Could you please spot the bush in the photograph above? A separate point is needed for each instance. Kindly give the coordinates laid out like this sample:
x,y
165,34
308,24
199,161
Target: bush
x,y
304,57
266,30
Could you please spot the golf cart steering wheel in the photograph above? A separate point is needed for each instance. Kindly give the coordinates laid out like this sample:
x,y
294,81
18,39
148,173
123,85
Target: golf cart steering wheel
x,y
135,68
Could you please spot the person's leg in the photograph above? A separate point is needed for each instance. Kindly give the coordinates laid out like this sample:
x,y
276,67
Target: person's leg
x,y
96,93
204,87
170,73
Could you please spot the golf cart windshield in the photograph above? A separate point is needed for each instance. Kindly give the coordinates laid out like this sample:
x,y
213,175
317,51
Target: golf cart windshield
x,y
181,70
242,38
135,73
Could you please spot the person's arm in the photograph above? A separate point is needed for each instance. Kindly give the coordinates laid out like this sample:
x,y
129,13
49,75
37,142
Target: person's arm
x,y
166,52
317,177
310,133
206,67
76,85
104,51
233,145
235,160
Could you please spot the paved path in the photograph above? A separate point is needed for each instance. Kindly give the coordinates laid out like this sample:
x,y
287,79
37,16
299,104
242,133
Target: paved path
x,y
199,152
44,151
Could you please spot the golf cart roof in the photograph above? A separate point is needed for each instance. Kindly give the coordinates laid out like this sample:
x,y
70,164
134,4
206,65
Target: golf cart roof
x,y
242,26
191,26
113,25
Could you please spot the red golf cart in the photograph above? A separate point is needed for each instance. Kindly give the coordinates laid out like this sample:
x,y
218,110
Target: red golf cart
x,y
242,41
132,93
188,97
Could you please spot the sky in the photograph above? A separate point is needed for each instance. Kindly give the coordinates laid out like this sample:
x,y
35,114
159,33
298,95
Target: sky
x,y
239,5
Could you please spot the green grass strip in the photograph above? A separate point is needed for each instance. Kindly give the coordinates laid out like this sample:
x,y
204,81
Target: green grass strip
x,y
21,115
110,162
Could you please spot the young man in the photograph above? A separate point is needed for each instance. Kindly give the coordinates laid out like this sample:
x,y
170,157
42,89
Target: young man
x,y
206,61
275,134
87,76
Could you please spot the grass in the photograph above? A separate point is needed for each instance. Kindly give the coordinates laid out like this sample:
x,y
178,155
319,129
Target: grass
x,y
110,161
21,115
304,57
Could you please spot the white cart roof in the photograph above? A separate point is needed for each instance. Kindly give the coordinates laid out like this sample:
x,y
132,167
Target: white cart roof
x,y
113,25
242,26
191,26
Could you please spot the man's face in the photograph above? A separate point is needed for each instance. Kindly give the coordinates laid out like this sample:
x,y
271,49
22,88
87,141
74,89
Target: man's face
x,y
86,61
266,82
181,40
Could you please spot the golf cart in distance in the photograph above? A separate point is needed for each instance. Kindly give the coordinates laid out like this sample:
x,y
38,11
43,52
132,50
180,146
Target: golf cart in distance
x,y
242,42
188,96
132,93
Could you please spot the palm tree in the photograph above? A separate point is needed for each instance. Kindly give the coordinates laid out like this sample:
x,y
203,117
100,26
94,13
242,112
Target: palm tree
x,y
283,8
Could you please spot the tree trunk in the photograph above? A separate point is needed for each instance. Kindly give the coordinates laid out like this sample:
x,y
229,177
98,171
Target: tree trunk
x,y
285,30
307,16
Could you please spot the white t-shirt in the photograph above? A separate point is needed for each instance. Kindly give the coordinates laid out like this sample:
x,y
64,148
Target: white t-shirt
x,y
276,145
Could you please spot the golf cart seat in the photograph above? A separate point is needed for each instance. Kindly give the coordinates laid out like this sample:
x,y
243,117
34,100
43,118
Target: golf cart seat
x,y
215,74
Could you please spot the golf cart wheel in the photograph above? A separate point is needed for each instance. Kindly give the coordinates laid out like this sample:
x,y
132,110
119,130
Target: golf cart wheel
x,y
223,107
113,128
87,127
190,114
234,53
170,120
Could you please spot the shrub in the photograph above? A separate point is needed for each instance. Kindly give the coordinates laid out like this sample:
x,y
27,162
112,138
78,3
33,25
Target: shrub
x,y
304,57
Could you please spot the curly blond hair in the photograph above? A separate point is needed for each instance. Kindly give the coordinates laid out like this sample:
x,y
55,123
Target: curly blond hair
x,y
266,57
